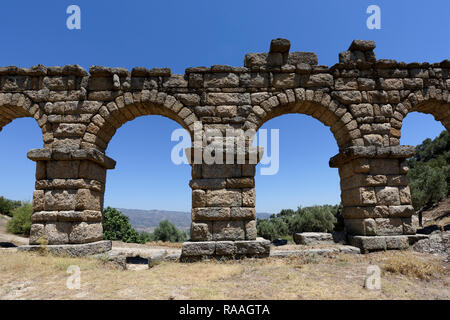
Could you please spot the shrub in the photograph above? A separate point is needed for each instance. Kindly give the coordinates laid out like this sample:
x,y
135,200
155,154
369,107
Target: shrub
x,y
167,232
7,206
116,226
266,229
309,219
428,185
21,219
313,219
429,171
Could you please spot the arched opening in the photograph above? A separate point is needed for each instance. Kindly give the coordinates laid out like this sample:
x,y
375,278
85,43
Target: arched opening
x,y
320,106
301,182
150,183
18,178
429,168
305,147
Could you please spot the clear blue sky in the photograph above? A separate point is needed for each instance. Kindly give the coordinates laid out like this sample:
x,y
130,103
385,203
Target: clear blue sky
x,y
180,34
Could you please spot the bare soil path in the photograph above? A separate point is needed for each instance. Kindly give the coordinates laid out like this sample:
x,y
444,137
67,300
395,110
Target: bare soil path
x,y
8,238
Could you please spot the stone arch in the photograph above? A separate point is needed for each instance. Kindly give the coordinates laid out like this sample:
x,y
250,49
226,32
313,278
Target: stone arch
x,y
129,106
430,101
317,104
16,105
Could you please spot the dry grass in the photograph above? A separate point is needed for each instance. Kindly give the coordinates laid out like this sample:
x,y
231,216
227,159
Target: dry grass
x,y
32,276
414,266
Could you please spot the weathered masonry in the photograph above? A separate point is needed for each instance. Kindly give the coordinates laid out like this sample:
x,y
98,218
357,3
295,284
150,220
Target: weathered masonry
x,y
363,100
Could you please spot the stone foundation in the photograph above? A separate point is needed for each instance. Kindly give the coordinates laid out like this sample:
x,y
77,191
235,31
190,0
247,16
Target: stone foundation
x,y
72,250
194,251
378,243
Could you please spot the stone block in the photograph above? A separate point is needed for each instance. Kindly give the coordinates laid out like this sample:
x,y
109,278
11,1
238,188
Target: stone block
x,y
44,216
235,183
242,213
359,196
55,200
387,196
58,232
207,184
62,169
410,225
41,170
92,170
280,45
198,249
403,211
367,244
84,232
223,198
73,250
250,230
201,231
225,248
210,214
248,197
221,80
228,230
38,200
37,232
384,166
313,238
405,195
89,200
396,242
249,248
363,227
365,212
215,171
389,226
198,198
285,80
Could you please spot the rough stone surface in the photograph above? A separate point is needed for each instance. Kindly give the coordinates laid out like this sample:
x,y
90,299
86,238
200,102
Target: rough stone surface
x,y
313,237
438,242
377,243
314,251
73,250
192,251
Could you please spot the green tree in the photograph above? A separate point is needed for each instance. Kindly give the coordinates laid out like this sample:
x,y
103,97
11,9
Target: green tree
x,y
428,185
21,219
167,232
313,219
429,171
316,218
116,226
7,206
266,229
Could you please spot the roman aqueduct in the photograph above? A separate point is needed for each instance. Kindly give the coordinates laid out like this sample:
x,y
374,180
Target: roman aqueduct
x,y
361,99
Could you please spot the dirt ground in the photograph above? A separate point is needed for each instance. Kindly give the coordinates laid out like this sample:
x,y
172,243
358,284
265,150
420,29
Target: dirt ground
x,y
439,214
6,237
404,275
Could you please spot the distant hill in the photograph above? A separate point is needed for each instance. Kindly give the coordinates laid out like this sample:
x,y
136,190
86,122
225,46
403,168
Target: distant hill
x,y
148,220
